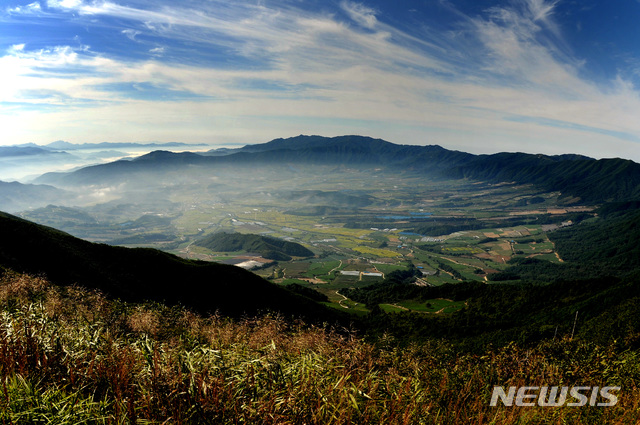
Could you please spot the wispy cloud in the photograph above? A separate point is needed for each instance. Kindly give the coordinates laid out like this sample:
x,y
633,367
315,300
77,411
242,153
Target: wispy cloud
x,y
295,70
157,51
131,34
360,13
31,8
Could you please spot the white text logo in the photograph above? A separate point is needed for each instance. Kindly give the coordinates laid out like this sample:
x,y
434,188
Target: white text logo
x,y
555,396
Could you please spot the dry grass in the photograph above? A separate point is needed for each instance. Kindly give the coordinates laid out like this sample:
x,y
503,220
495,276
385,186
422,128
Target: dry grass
x,y
72,356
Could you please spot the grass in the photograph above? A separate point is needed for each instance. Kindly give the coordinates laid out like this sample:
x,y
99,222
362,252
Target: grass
x,y
390,308
321,268
292,281
29,402
548,257
295,269
432,306
441,279
388,268
428,306
68,355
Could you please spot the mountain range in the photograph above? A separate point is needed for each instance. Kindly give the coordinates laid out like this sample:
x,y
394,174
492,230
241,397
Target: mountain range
x,y
27,161
61,145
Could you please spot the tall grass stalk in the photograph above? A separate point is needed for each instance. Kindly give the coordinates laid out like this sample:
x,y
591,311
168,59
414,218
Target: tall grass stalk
x,y
68,355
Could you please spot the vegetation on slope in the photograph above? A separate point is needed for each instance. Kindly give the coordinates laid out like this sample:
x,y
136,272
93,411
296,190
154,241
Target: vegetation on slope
x,y
532,299
16,196
68,355
271,248
585,179
607,246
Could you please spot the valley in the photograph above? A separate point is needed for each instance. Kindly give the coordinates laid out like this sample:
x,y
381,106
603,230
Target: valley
x,y
361,223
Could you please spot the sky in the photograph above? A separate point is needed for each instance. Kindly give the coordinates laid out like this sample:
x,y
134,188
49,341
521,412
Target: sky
x,y
538,76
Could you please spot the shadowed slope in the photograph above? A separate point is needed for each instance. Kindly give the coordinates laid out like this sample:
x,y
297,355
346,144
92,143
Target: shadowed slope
x,y
142,274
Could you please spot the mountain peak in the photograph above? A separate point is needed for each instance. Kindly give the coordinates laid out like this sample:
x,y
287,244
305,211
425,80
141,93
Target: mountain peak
x,y
61,144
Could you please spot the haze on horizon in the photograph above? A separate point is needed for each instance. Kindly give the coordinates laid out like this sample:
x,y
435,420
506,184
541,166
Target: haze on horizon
x,y
478,76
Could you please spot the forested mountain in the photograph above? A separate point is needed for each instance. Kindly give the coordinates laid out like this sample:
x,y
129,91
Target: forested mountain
x,y
270,248
578,178
607,246
15,196
584,178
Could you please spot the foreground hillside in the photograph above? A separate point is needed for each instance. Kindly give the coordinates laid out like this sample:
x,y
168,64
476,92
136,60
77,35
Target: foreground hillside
x,y
68,355
144,274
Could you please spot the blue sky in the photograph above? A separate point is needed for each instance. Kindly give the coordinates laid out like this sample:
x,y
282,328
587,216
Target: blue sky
x,y
481,76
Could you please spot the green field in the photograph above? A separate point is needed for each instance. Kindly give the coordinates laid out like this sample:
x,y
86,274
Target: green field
x,y
389,308
436,306
324,267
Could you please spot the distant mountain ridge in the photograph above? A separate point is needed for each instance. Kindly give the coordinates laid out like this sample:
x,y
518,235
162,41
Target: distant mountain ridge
x,y
62,145
16,196
18,151
577,177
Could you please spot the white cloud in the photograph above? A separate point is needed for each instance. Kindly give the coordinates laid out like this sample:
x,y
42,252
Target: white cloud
x,y
16,48
360,13
24,74
158,51
131,34
541,10
32,8
497,81
66,4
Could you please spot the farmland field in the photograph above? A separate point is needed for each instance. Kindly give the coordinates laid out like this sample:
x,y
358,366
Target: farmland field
x,y
457,256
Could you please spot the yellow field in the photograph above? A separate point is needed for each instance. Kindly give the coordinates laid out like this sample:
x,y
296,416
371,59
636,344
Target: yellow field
x,y
376,251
